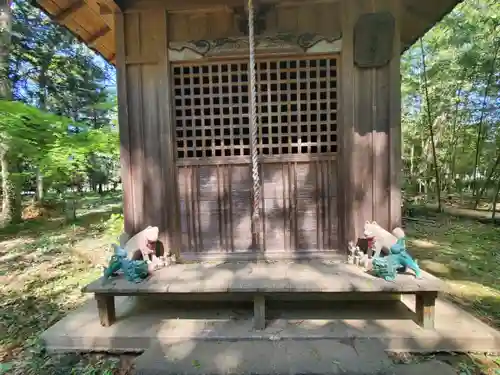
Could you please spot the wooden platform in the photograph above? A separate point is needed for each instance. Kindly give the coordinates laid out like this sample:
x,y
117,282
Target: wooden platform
x,y
260,281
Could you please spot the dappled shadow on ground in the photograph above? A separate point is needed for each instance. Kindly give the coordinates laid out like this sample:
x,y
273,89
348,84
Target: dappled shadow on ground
x,y
91,211
32,244
464,254
41,273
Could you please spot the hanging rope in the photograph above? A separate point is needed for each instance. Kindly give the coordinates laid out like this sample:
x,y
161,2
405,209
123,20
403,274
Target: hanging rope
x,y
254,128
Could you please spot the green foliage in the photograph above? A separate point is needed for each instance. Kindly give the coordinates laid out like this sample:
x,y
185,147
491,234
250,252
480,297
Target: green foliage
x,y
114,226
46,140
463,86
72,140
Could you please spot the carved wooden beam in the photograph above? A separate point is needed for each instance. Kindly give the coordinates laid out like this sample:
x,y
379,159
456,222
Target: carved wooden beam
x,y
195,5
63,15
102,32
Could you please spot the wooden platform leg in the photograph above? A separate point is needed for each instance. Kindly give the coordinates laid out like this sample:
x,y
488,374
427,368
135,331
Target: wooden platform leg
x,y
425,303
259,312
106,308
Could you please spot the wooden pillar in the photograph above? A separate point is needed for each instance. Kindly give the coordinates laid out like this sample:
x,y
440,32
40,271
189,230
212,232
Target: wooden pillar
x,y
425,309
370,128
106,309
259,312
123,123
146,129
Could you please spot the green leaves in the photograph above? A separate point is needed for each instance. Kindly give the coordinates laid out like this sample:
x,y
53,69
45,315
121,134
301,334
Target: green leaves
x,y
48,142
459,54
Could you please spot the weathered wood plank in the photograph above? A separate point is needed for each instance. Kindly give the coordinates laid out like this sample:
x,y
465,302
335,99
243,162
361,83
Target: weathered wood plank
x,y
169,188
425,308
123,121
259,312
369,130
311,277
106,309
373,34
395,138
221,22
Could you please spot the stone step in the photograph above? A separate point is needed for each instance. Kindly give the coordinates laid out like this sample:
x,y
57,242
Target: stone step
x,y
329,357
142,321
349,356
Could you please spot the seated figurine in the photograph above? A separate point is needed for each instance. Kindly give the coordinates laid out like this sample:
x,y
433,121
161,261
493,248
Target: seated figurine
x,y
143,246
398,260
404,258
134,270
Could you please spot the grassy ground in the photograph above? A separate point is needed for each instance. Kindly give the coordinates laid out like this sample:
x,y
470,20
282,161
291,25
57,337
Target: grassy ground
x,y
43,265
465,253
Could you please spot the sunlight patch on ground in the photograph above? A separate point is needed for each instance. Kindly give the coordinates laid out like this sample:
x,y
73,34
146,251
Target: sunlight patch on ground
x,y
471,290
95,250
424,244
437,268
7,245
466,258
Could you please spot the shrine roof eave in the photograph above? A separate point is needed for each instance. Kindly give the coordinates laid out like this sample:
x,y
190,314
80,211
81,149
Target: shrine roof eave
x,y
92,21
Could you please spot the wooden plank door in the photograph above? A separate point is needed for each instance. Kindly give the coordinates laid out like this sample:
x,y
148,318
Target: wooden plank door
x,y
213,156
297,109
298,147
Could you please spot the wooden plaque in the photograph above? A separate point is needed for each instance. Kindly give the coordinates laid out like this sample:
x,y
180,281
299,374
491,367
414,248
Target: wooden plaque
x,y
373,39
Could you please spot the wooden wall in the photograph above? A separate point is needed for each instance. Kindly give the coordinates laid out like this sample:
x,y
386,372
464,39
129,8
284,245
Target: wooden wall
x,y
146,133
321,18
370,113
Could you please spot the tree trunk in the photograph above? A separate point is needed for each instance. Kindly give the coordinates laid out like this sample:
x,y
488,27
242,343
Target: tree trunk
x,y
489,79
11,187
431,128
453,142
481,191
40,192
42,104
5,39
495,200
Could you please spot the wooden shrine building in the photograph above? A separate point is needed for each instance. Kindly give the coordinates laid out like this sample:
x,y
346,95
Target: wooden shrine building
x,y
315,153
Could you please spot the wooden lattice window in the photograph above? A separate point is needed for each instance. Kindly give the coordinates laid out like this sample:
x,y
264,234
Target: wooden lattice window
x,y
297,108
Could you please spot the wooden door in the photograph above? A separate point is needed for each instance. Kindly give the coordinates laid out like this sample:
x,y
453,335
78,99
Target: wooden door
x,y
298,118
297,108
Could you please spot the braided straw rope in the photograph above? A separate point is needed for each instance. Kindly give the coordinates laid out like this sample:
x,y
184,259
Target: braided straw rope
x,y
254,126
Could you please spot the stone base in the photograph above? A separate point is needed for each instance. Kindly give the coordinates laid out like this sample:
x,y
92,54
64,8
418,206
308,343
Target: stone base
x,y
143,322
268,357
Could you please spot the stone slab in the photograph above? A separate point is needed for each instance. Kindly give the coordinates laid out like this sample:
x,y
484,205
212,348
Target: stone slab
x,y
143,321
279,277
354,357
428,367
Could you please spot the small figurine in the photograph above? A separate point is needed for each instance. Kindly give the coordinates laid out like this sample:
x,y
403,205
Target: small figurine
x,y
370,243
351,251
397,261
134,270
144,241
355,255
143,246
404,258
